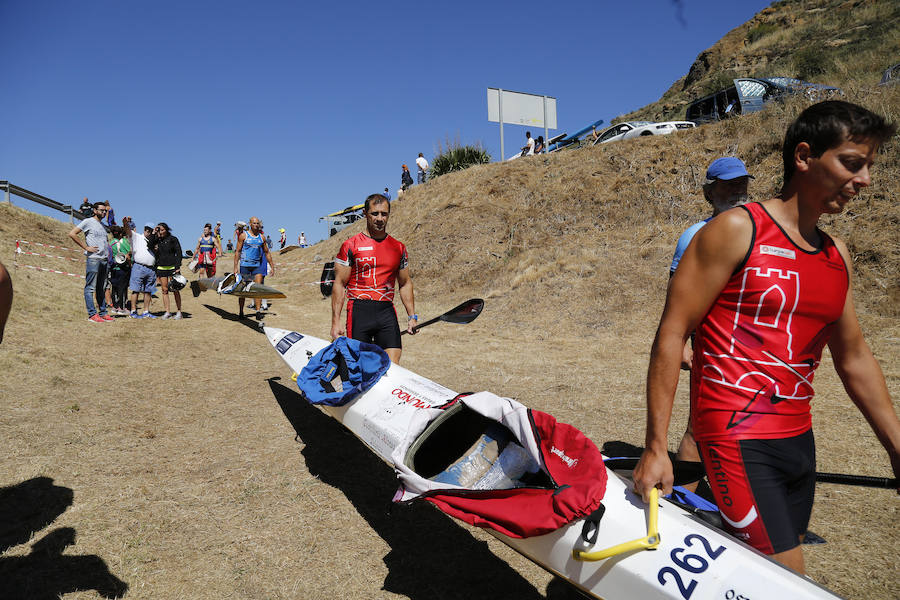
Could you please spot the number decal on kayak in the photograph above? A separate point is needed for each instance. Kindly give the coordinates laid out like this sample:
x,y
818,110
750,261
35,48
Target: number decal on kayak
x,y
713,554
685,591
692,563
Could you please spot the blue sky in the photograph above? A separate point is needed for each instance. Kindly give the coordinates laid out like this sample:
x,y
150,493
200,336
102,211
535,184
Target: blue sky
x,y
196,111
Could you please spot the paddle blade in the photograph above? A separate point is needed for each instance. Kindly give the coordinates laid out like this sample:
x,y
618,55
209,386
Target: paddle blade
x,y
465,312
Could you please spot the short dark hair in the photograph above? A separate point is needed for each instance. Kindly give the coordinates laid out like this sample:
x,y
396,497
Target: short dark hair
x,y
376,199
98,204
827,125
208,225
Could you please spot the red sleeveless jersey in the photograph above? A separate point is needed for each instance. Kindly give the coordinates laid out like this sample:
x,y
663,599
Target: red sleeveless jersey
x,y
757,348
373,266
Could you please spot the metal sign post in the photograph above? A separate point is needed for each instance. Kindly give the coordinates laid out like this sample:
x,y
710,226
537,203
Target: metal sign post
x,y
519,108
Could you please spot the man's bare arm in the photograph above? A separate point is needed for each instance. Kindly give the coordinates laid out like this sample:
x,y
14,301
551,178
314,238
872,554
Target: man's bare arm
x,y
407,297
705,268
338,293
862,377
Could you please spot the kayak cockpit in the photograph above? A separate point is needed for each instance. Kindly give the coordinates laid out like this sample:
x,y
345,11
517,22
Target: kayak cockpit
x,y
465,448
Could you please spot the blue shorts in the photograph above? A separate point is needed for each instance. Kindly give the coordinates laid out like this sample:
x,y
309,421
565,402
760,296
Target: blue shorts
x,y
143,279
250,271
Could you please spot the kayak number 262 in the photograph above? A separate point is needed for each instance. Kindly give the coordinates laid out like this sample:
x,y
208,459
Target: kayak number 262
x,y
692,563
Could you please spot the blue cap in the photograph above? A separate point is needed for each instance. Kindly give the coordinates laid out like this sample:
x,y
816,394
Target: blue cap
x,y
725,168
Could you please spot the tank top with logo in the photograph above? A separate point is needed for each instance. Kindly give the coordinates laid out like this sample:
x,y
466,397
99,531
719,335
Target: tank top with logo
x,y
758,347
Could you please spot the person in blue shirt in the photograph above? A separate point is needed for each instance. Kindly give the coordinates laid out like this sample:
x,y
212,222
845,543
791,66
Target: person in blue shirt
x,y
251,255
725,187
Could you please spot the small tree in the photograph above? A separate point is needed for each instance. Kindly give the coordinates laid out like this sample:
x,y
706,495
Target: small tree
x,y
456,157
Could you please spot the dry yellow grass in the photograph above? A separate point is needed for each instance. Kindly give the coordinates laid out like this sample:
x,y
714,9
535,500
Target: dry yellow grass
x,y
172,444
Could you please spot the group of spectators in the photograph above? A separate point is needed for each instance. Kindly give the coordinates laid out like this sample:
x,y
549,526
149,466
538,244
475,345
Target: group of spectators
x,y
130,260
406,179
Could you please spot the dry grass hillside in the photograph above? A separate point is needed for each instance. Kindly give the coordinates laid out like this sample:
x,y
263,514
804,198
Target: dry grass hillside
x,y
836,42
174,459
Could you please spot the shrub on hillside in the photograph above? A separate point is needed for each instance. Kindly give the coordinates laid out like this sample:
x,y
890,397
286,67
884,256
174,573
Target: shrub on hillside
x,y
761,31
457,157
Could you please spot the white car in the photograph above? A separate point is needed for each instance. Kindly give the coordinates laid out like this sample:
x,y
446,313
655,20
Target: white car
x,y
631,129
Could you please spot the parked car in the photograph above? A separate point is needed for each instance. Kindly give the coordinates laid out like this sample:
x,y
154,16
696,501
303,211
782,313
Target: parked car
x,y
891,76
750,94
632,129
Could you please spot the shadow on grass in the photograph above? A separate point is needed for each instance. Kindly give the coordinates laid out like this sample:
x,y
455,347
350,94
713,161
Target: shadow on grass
x,y
431,556
46,573
247,321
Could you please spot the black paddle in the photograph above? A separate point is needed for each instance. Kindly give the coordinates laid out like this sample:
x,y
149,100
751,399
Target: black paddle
x,y
464,313
686,471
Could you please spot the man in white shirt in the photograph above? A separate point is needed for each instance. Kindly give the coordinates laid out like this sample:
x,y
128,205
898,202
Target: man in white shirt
x,y
143,271
528,148
423,167
95,245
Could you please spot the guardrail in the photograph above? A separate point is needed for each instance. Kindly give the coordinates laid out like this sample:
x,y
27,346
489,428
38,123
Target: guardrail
x,y
11,189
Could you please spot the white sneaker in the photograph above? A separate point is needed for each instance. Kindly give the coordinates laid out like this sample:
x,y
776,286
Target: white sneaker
x,y
265,305
178,316
252,304
167,315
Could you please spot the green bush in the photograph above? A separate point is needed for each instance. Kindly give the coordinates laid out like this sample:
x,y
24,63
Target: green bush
x,y
810,62
760,31
456,158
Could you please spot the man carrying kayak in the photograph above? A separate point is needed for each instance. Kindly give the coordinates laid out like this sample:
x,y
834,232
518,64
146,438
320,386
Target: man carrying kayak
x,y
365,269
766,289
251,255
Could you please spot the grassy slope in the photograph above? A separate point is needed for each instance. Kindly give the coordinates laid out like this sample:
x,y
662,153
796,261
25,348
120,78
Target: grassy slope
x,y
825,41
187,479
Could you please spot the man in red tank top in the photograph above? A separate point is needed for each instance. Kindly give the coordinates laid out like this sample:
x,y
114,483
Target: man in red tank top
x,y
766,290
365,270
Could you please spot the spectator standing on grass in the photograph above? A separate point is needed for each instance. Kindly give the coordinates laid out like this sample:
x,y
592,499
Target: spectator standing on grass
x,y
120,271
406,179
302,240
168,264
725,187
365,270
218,234
422,169
96,252
86,207
386,194
528,148
6,298
143,267
766,289
230,246
249,255
282,238
207,251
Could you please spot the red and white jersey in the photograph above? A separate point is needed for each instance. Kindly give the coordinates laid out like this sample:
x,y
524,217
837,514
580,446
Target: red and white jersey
x,y
374,265
758,347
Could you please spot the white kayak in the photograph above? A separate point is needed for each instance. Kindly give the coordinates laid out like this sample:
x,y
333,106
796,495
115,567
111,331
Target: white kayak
x,y
687,559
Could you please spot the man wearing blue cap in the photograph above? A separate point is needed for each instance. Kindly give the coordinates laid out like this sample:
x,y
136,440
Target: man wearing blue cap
x,y
725,187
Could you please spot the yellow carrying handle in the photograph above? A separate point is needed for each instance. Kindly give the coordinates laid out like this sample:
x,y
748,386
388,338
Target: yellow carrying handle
x,y
650,542
294,377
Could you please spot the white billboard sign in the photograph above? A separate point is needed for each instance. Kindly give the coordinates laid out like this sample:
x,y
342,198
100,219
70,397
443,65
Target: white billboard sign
x,y
519,108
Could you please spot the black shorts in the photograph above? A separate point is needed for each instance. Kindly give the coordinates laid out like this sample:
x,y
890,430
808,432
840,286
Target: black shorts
x,y
373,321
764,488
